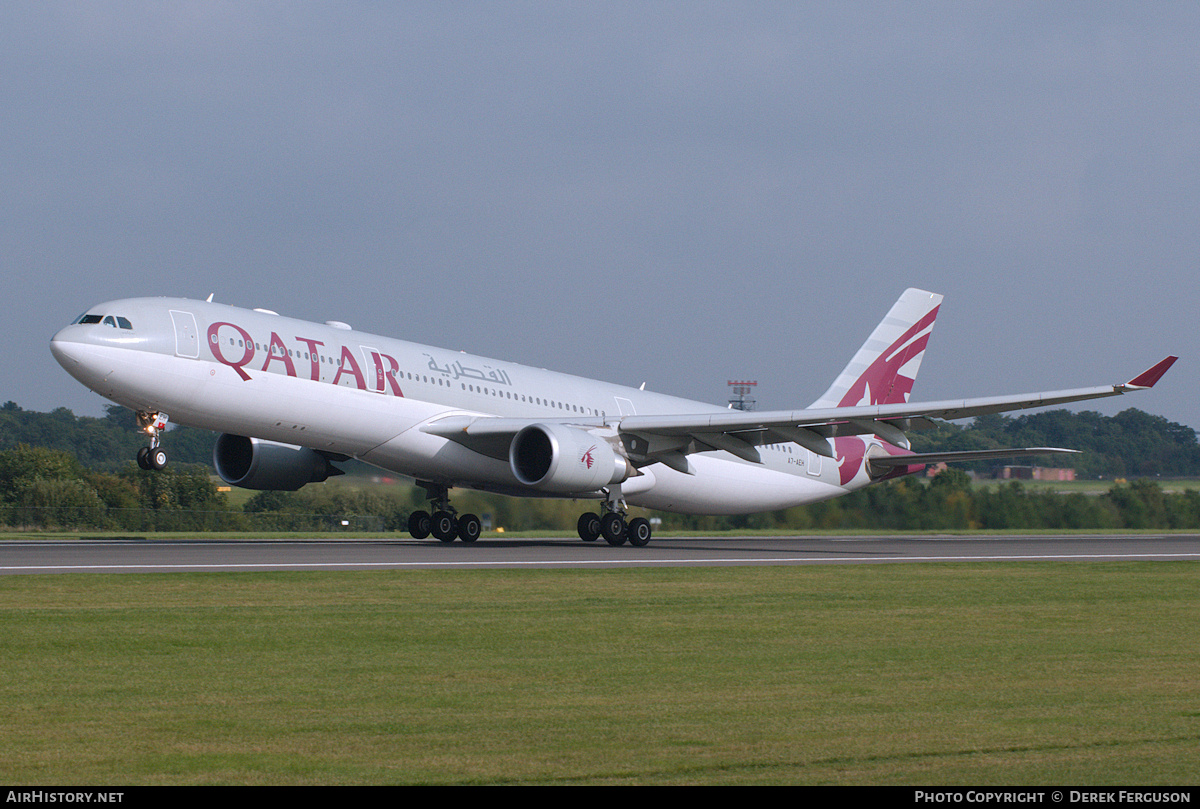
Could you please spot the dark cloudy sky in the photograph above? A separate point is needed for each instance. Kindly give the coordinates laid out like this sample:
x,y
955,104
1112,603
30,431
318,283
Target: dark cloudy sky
x,y
671,193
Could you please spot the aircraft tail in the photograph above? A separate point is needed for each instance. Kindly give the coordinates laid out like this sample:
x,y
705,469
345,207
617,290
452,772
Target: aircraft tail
x,y
884,369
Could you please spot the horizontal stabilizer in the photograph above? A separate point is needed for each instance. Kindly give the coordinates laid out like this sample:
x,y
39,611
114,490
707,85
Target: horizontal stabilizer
x,y
963,456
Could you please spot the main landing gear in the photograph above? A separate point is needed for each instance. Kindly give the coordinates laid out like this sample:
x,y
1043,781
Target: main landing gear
x,y
152,457
615,530
444,524
611,524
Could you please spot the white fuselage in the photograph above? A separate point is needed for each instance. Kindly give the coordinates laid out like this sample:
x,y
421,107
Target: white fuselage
x,y
336,390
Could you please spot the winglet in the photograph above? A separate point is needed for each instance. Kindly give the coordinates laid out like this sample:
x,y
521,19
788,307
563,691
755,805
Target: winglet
x,y
1146,379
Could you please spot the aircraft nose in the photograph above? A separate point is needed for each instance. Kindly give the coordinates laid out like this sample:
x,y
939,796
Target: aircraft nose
x,y
58,345
66,348
81,357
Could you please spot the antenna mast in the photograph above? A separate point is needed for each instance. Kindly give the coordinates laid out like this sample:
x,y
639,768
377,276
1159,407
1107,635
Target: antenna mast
x,y
741,398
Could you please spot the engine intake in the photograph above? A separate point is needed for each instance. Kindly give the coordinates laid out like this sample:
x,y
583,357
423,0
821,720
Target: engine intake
x,y
252,463
564,460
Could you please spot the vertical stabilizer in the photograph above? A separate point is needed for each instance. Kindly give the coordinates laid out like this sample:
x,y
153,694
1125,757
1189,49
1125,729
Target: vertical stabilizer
x,y
884,369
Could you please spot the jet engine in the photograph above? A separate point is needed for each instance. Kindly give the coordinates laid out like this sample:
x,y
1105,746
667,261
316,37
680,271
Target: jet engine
x,y
252,463
560,459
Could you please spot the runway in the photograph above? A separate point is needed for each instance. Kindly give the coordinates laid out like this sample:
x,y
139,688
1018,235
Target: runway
x,y
149,555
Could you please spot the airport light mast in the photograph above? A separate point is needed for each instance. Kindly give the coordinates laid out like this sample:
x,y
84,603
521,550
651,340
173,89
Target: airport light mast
x,y
741,398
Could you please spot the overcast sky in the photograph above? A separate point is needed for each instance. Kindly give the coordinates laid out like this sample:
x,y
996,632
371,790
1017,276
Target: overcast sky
x,y
679,194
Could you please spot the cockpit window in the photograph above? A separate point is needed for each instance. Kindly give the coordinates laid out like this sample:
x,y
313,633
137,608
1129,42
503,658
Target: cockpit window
x,y
115,321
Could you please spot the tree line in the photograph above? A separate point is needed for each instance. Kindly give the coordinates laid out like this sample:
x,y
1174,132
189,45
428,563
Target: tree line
x,y
951,501
62,470
1129,444
50,488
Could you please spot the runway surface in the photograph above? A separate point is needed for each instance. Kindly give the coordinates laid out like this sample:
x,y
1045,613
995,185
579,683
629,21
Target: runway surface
x,y
147,555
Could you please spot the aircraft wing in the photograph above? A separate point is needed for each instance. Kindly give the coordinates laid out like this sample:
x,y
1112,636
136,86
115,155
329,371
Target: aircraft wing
x,y
667,438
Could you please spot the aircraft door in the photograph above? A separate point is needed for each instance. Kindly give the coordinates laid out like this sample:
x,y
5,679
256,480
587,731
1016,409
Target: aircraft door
x,y
373,359
187,343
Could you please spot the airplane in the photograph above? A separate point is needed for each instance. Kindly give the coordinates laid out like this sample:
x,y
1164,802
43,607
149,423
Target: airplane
x,y
293,398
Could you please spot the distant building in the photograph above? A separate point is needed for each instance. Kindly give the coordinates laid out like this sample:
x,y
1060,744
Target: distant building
x,y
1036,473
934,469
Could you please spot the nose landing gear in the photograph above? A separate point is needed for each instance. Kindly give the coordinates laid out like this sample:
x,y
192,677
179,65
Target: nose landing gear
x,y
152,457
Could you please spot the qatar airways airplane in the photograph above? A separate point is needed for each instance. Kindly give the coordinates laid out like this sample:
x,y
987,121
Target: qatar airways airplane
x,y
292,398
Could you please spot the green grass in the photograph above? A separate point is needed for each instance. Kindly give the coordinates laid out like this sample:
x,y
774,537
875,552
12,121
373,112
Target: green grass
x,y
881,674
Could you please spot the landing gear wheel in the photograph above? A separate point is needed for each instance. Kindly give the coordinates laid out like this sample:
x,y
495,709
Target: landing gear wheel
x,y
469,528
444,526
612,528
639,532
419,524
589,527
157,458
143,458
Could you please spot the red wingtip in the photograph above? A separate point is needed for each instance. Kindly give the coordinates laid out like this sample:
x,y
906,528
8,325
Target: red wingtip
x,y
1146,379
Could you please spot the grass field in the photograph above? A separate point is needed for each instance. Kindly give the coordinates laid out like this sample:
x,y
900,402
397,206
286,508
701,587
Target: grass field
x,y
1034,673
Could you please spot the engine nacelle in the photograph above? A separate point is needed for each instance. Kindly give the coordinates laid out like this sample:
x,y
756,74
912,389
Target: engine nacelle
x,y
564,460
252,463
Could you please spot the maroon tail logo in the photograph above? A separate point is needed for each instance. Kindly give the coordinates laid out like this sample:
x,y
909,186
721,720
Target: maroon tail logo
x,y
881,383
587,458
